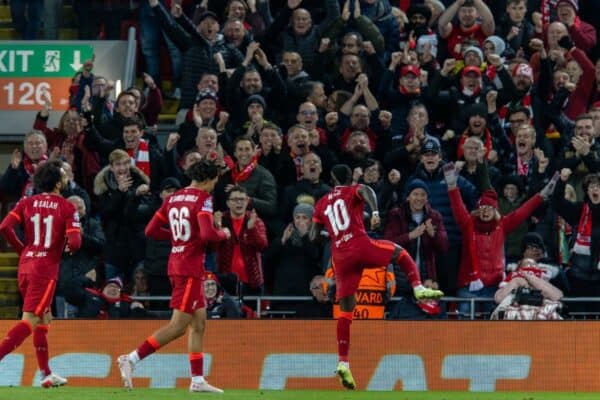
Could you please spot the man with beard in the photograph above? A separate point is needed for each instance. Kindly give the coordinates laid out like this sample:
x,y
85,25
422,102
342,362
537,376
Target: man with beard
x,y
236,35
470,13
357,150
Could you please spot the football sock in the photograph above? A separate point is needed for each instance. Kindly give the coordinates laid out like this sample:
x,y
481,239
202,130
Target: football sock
x,y
15,337
197,364
40,343
149,346
409,267
343,335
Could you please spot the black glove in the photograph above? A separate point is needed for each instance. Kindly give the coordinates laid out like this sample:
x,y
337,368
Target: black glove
x,y
566,43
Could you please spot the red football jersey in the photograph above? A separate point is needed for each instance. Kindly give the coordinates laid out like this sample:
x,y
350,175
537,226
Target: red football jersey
x,y
341,212
46,219
181,211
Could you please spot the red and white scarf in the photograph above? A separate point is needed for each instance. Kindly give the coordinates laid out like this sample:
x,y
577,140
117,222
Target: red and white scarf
x,y
141,157
522,167
30,168
505,109
238,176
583,241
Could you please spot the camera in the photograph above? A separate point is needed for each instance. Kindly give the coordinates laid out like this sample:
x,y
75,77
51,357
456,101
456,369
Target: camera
x,y
528,296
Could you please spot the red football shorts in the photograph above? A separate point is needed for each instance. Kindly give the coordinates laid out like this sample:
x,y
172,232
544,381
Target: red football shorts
x,y
348,266
37,293
188,294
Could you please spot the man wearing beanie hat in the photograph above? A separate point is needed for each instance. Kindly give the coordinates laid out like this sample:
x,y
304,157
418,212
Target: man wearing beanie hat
x,y
484,232
582,33
341,213
420,229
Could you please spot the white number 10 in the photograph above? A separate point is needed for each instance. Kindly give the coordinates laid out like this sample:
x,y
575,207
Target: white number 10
x,y
338,216
36,230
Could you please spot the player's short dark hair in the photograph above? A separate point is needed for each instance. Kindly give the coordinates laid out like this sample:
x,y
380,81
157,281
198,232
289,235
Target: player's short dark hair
x,y
203,170
342,173
47,176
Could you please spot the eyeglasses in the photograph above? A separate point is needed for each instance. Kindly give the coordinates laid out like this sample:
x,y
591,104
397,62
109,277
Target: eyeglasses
x,y
237,199
308,112
594,186
517,121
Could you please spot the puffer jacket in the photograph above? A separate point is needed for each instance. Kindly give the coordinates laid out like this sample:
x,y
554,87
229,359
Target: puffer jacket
x,y
439,200
124,216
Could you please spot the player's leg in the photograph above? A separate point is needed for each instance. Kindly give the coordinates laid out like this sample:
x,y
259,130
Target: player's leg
x,y
174,329
347,277
37,296
401,257
195,340
40,343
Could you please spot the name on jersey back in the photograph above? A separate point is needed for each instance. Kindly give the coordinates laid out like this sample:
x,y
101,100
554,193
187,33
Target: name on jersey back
x,y
45,204
183,197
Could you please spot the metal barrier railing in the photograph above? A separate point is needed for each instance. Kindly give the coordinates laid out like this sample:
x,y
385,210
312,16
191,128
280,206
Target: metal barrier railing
x,y
448,299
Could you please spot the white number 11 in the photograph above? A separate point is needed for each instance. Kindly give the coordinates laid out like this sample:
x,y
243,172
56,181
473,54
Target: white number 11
x,y
36,230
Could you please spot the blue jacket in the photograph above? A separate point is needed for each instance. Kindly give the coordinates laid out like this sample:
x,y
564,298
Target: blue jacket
x,y
440,201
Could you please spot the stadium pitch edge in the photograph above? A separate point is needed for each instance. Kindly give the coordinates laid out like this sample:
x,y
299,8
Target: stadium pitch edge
x,y
88,393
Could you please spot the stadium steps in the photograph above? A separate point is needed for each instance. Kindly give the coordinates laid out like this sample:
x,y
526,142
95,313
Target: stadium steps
x,y
66,32
169,109
9,289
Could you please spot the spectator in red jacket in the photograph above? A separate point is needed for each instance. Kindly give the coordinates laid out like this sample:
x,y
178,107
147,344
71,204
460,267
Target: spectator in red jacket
x,y
241,254
483,233
583,34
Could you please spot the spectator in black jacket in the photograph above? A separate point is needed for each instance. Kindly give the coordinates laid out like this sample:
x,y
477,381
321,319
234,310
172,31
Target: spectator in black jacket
x,y
79,269
157,252
199,41
122,190
108,302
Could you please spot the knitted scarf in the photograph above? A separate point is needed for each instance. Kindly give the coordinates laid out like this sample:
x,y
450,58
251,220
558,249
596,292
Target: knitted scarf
x,y
29,166
141,157
238,176
583,240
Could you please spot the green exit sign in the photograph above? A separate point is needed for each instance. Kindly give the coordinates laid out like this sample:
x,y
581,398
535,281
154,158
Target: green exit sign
x,y
42,60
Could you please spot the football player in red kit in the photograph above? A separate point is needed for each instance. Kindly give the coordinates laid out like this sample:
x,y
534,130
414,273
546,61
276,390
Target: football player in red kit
x,y
341,213
189,215
47,220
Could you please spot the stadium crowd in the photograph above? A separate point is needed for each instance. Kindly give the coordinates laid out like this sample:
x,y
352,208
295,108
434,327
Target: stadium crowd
x,y
474,121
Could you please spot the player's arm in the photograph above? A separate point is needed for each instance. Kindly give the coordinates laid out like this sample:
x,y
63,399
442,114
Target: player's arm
x,y
208,232
368,195
7,230
73,231
156,227
315,231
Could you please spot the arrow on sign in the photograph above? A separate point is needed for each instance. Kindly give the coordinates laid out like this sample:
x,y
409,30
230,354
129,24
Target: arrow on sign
x,y
76,60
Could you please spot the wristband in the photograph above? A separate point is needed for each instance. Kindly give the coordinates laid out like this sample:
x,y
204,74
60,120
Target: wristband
x,y
375,214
